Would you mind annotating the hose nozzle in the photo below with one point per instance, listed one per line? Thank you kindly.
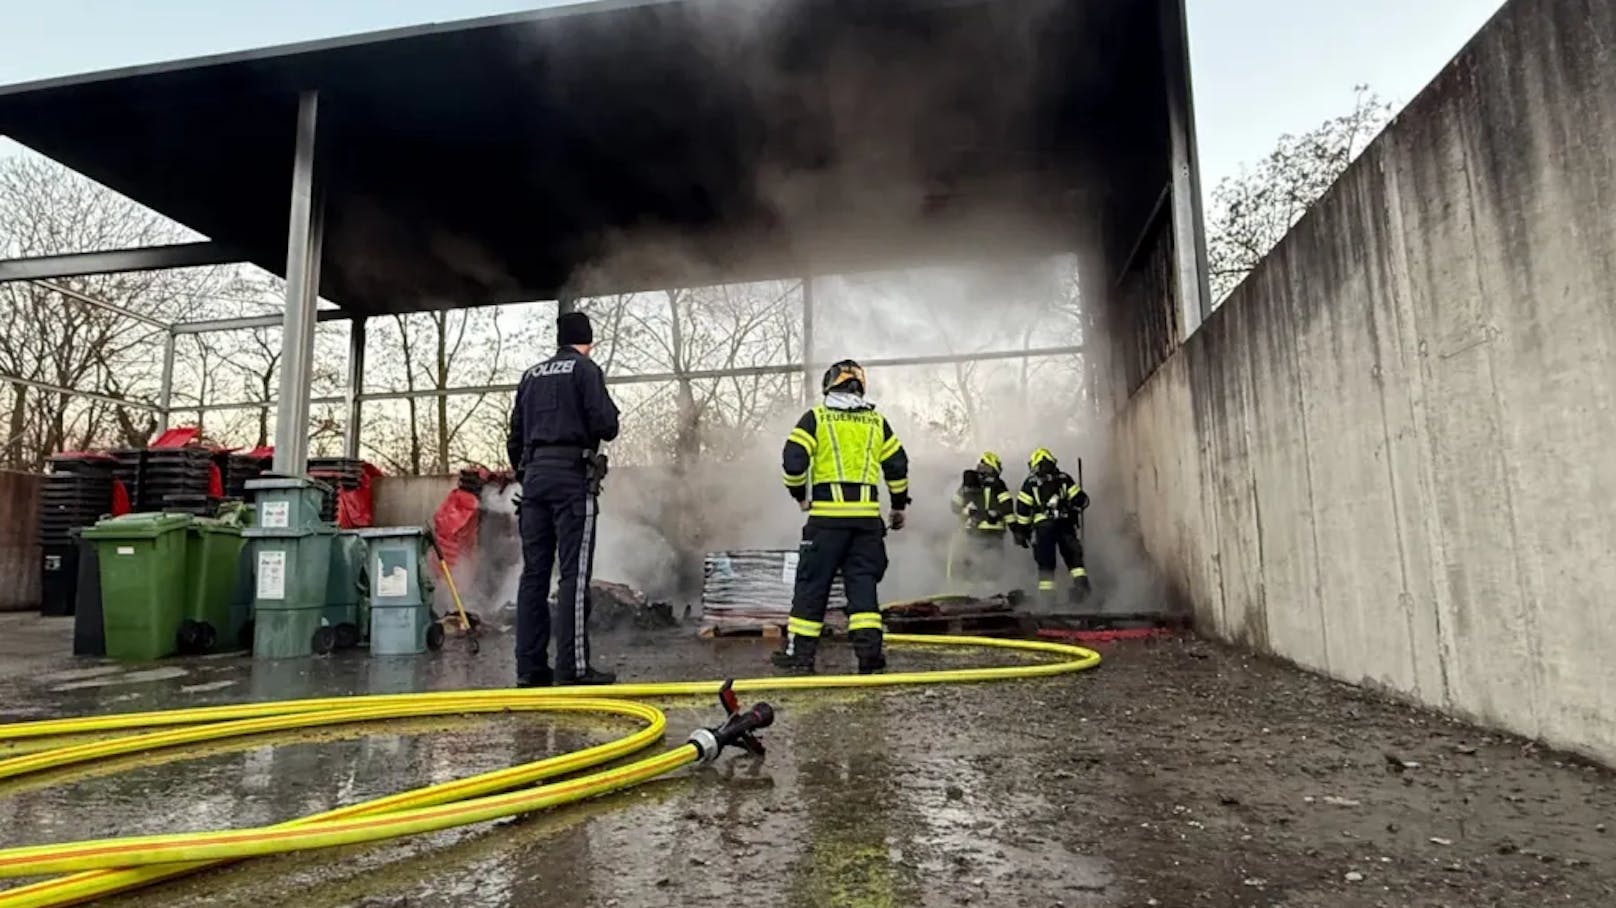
(737, 729)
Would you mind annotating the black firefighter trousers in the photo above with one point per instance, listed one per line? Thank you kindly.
(557, 522)
(857, 548)
(1058, 536)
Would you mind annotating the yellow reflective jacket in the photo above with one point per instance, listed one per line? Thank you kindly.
(1054, 496)
(837, 459)
(985, 509)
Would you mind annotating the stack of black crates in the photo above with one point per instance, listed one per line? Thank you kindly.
(177, 480)
(342, 474)
(77, 493)
(473, 480)
(238, 469)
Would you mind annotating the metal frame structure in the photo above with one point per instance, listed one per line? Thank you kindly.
(305, 236)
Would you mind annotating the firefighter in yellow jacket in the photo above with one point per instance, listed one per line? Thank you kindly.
(835, 461)
(1048, 512)
(985, 508)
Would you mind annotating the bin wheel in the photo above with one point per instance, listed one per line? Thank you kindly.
(210, 637)
(244, 637)
(191, 638)
(325, 640)
(473, 645)
(347, 635)
(434, 636)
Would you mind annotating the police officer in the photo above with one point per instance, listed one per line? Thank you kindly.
(562, 415)
(834, 462)
(1048, 512)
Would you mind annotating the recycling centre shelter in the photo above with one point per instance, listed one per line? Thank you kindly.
(506, 159)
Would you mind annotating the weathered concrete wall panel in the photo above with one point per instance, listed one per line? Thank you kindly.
(1406, 418)
(19, 540)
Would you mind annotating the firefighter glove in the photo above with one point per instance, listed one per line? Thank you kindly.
(897, 520)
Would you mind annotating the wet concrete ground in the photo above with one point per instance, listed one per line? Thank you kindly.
(1179, 773)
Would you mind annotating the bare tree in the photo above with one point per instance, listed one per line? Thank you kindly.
(435, 352)
(56, 339)
(687, 331)
(1254, 210)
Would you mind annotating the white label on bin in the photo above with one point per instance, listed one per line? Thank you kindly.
(272, 575)
(393, 582)
(788, 572)
(126, 550)
(277, 515)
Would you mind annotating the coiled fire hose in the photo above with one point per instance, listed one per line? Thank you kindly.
(101, 867)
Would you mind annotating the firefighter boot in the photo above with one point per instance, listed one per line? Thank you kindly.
(1080, 589)
(1046, 591)
(865, 632)
(797, 656)
(867, 646)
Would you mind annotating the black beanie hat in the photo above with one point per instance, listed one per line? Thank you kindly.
(574, 328)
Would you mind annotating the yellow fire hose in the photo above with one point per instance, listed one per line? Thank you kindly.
(105, 866)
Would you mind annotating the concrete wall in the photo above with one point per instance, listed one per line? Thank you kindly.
(409, 501)
(1390, 456)
(19, 540)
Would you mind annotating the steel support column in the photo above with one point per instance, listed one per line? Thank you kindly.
(165, 390)
(356, 386)
(303, 247)
(1189, 229)
(808, 384)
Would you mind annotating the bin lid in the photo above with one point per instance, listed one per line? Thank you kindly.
(214, 525)
(389, 532)
(286, 532)
(138, 526)
(284, 482)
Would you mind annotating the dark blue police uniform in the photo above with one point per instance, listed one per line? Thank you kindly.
(563, 412)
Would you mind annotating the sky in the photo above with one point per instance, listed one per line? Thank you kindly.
(1261, 68)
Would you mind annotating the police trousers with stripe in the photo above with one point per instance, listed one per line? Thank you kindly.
(557, 523)
(856, 548)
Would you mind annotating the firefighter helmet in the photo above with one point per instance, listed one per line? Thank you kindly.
(991, 461)
(846, 375)
(1040, 456)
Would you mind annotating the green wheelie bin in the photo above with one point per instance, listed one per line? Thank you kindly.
(212, 623)
(142, 583)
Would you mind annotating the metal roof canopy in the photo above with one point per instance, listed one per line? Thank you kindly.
(626, 145)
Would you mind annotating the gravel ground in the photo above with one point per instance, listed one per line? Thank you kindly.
(1178, 773)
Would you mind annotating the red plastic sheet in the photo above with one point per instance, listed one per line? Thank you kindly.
(120, 499)
(357, 507)
(177, 438)
(1106, 636)
(455, 524)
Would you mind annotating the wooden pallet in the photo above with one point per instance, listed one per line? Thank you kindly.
(990, 624)
(764, 631)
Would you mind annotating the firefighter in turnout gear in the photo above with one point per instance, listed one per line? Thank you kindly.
(985, 507)
(563, 413)
(1049, 511)
(834, 462)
